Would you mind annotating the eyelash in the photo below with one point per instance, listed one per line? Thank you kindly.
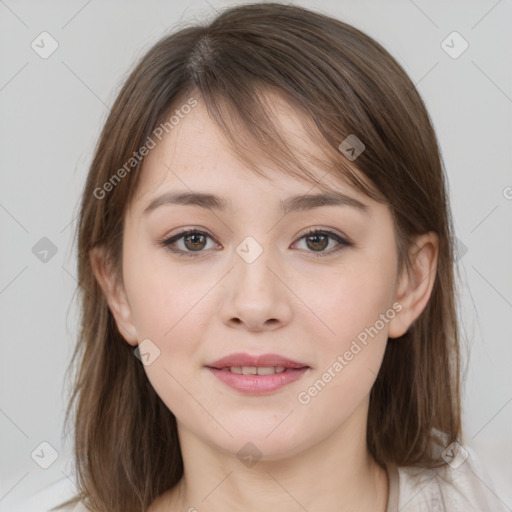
(166, 243)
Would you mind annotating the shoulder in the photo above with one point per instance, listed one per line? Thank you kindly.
(461, 485)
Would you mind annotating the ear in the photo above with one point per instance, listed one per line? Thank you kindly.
(415, 283)
(115, 295)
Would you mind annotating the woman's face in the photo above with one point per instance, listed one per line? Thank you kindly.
(253, 282)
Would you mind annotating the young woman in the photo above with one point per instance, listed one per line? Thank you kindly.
(267, 282)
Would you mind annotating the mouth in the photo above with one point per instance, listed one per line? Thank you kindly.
(254, 370)
(257, 374)
(263, 362)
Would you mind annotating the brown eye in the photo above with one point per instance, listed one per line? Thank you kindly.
(187, 243)
(194, 241)
(317, 242)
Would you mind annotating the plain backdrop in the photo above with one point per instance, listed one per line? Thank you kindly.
(51, 113)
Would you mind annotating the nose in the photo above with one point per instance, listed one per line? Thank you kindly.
(256, 297)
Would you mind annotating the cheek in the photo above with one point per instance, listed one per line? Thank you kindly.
(347, 299)
(355, 306)
(167, 309)
(351, 351)
(160, 298)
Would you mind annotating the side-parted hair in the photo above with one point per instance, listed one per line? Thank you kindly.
(340, 82)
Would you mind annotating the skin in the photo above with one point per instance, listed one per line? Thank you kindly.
(307, 308)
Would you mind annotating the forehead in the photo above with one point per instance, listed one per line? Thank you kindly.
(195, 154)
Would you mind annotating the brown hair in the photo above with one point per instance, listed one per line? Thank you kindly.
(341, 82)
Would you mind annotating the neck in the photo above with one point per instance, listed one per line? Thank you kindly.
(336, 474)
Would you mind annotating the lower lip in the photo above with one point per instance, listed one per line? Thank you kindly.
(258, 384)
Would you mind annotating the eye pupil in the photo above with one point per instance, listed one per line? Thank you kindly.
(194, 236)
(323, 243)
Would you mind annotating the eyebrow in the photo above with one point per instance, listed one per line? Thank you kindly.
(291, 204)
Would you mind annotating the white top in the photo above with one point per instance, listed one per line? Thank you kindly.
(465, 488)
(451, 488)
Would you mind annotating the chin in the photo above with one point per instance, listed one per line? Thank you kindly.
(265, 441)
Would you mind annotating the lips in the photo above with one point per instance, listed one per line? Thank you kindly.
(257, 375)
(241, 360)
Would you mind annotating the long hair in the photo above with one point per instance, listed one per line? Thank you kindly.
(341, 82)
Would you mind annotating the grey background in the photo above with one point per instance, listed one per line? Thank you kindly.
(52, 111)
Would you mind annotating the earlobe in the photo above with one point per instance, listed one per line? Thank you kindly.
(115, 295)
(416, 283)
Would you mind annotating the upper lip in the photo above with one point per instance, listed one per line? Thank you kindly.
(241, 359)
